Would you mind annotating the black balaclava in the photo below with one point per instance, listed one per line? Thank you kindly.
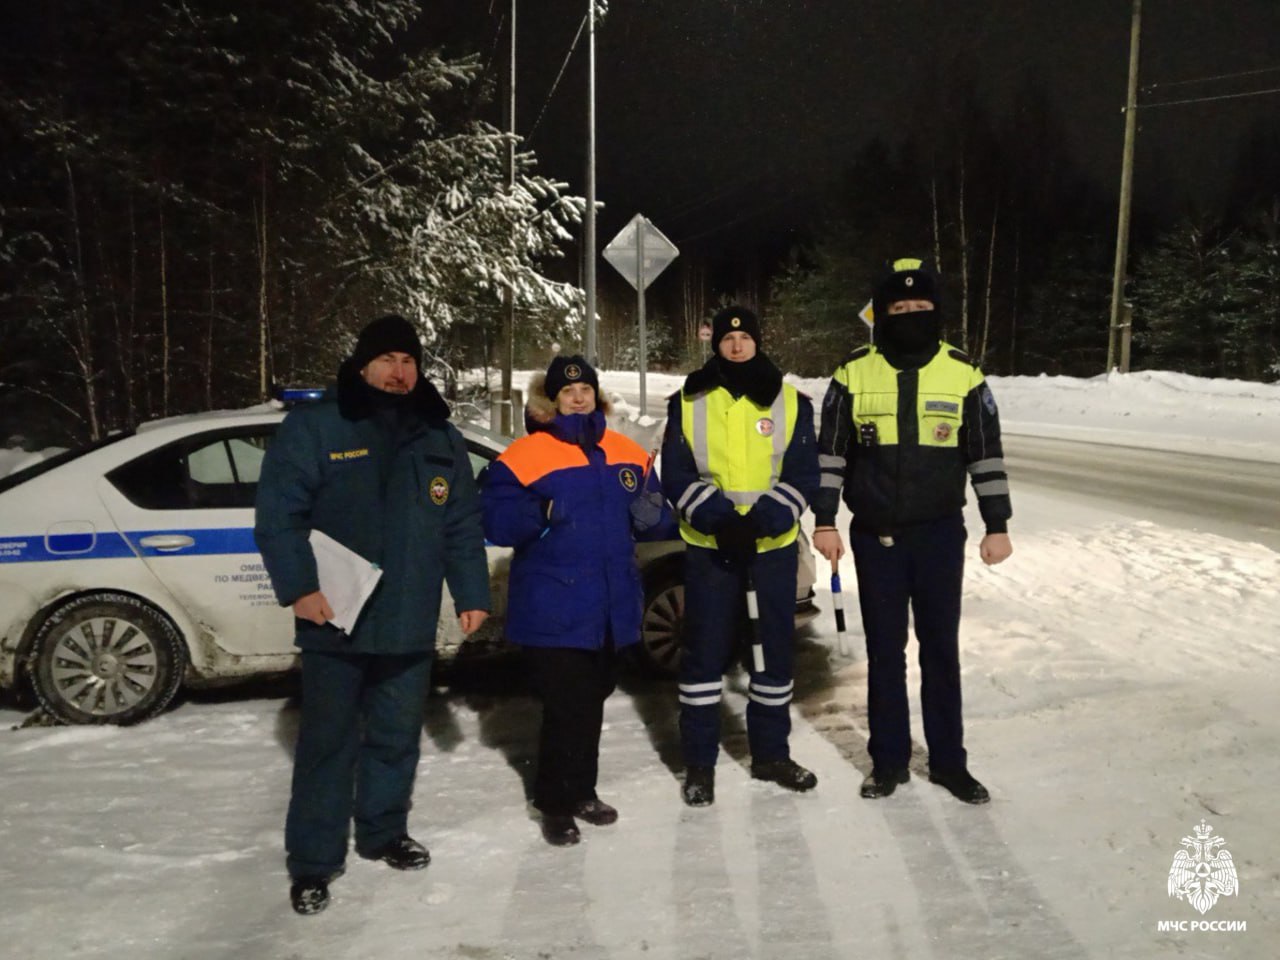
(907, 340)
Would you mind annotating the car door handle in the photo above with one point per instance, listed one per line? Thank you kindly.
(167, 542)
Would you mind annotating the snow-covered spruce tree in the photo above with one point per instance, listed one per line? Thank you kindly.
(417, 215)
(1178, 298)
(1250, 311)
(226, 189)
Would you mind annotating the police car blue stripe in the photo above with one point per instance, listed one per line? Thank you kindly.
(107, 545)
(110, 545)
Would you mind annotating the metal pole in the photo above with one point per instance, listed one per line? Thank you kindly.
(1126, 186)
(508, 295)
(589, 234)
(640, 278)
(1126, 336)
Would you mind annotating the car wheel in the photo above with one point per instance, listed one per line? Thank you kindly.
(107, 658)
(662, 625)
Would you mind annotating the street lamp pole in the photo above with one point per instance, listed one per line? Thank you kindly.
(589, 231)
(508, 295)
(1126, 188)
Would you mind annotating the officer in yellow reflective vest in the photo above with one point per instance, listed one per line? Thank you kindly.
(903, 421)
(740, 463)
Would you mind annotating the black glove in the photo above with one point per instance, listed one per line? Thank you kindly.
(736, 537)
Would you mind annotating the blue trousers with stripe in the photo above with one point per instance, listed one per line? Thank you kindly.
(357, 753)
(922, 571)
(716, 628)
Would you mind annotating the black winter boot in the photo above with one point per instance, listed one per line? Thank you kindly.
(961, 784)
(699, 788)
(559, 830)
(785, 773)
(309, 895)
(402, 853)
(596, 812)
(882, 781)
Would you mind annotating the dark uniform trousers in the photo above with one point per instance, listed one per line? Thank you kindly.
(358, 748)
(924, 570)
(572, 685)
(715, 621)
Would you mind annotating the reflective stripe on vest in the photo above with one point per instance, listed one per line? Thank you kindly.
(943, 384)
(738, 446)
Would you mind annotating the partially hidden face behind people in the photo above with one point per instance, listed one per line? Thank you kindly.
(392, 372)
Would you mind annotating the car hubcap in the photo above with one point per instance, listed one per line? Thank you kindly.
(663, 622)
(104, 666)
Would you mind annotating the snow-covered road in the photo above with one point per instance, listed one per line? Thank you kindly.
(1119, 682)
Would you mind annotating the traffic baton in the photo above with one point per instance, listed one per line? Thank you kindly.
(837, 603)
(753, 614)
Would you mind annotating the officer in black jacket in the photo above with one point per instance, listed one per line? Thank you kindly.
(903, 421)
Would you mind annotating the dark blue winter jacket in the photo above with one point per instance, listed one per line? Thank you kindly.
(391, 481)
(562, 497)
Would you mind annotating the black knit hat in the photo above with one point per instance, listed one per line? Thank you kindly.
(734, 320)
(905, 279)
(566, 370)
(389, 334)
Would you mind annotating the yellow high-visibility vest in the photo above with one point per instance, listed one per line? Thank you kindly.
(738, 445)
(943, 384)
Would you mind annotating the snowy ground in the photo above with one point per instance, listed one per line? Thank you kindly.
(1119, 682)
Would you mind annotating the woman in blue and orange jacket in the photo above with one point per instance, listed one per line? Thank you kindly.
(571, 497)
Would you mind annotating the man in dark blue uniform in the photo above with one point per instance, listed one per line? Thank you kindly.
(740, 464)
(903, 422)
(376, 466)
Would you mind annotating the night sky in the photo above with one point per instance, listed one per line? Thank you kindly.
(715, 116)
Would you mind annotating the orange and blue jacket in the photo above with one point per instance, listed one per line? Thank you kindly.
(561, 496)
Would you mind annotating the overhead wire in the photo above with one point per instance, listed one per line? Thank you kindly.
(1223, 96)
(1220, 76)
(551, 93)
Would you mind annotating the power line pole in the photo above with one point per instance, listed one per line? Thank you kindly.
(589, 232)
(1126, 187)
(508, 295)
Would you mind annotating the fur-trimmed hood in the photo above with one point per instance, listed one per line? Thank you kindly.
(355, 401)
(540, 410)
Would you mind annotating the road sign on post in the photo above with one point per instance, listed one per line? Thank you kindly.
(640, 252)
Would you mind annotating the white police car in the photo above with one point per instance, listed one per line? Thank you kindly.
(128, 568)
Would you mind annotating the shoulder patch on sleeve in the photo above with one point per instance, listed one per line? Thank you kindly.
(856, 354)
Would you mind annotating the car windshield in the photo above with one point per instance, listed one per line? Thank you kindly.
(66, 456)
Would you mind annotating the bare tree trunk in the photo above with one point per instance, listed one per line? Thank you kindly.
(208, 328)
(164, 318)
(145, 365)
(937, 225)
(263, 364)
(82, 347)
(991, 267)
(121, 342)
(964, 260)
(1013, 317)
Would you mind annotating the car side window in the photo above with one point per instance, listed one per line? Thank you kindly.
(480, 458)
(212, 470)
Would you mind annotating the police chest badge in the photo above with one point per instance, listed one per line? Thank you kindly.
(627, 477)
(942, 432)
(764, 427)
(439, 491)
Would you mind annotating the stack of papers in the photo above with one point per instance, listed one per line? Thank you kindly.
(347, 579)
